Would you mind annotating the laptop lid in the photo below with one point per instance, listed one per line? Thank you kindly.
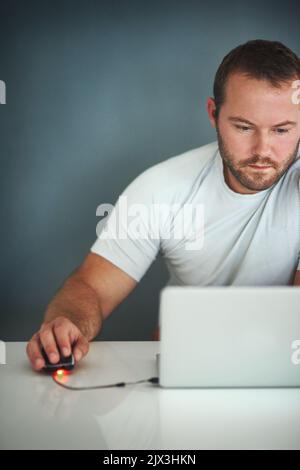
(229, 336)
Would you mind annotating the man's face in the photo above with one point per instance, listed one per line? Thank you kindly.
(258, 131)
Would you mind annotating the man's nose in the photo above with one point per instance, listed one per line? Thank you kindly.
(262, 146)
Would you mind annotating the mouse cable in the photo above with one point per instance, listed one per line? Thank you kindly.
(153, 380)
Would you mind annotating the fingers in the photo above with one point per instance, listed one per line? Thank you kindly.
(34, 353)
(62, 335)
(56, 338)
(81, 348)
(48, 342)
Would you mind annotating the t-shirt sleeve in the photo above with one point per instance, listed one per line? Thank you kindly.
(129, 236)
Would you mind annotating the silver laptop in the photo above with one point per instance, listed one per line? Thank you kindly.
(229, 337)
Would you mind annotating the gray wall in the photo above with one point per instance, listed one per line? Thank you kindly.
(98, 91)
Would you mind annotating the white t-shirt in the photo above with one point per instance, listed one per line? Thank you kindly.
(237, 239)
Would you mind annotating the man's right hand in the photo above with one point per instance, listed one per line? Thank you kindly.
(58, 336)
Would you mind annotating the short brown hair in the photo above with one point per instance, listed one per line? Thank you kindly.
(261, 59)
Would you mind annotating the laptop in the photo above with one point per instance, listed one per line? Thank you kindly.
(229, 337)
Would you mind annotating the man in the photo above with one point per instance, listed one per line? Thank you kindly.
(247, 183)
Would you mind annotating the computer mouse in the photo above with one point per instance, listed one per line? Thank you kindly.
(66, 363)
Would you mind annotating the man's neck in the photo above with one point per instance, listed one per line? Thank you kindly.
(234, 184)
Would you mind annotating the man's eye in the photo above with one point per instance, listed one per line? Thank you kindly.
(282, 131)
(243, 128)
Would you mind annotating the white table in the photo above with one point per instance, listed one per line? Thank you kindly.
(35, 413)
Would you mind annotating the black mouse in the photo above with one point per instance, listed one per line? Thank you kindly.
(66, 363)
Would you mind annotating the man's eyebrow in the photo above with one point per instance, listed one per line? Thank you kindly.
(241, 119)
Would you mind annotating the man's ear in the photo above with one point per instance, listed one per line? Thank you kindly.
(211, 110)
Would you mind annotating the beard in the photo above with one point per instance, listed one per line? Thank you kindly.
(254, 180)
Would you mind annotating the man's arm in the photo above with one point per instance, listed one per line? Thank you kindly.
(76, 313)
(297, 279)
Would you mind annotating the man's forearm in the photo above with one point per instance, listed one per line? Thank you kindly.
(77, 301)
